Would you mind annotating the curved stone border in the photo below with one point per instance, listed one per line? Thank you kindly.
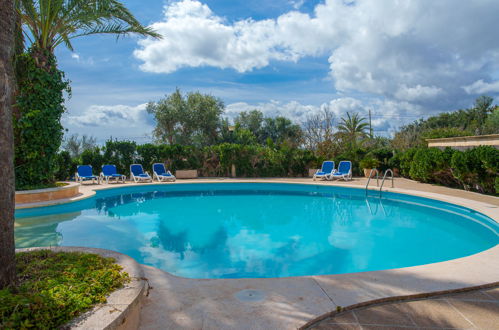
(69, 190)
(395, 300)
(122, 309)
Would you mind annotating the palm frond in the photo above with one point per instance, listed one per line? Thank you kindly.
(52, 22)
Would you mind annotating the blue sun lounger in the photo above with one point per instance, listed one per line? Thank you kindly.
(326, 171)
(161, 174)
(137, 173)
(110, 172)
(84, 173)
(344, 171)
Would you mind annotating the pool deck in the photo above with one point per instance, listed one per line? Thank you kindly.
(289, 303)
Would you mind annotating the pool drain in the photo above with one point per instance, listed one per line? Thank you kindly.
(250, 295)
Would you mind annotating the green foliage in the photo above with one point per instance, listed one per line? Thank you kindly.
(92, 157)
(473, 121)
(406, 161)
(383, 156)
(187, 120)
(492, 123)
(426, 162)
(37, 128)
(352, 129)
(55, 287)
(369, 162)
(474, 169)
(51, 23)
(65, 166)
(244, 136)
(119, 153)
(445, 132)
(355, 155)
(477, 168)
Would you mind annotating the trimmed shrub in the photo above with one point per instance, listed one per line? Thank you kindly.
(477, 169)
(406, 161)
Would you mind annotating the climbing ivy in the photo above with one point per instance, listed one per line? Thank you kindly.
(37, 119)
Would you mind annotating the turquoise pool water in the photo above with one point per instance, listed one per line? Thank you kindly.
(236, 230)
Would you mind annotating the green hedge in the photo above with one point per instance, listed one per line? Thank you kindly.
(475, 169)
(217, 160)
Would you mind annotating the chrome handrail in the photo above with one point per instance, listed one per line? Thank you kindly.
(383, 181)
(370, 176)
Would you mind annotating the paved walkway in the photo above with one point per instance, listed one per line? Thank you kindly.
(470, 310)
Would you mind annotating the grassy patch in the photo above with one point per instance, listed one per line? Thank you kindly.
(55, 287)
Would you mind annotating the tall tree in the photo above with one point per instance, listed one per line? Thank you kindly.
(50, 23)
(250, 120)
(40, 103)
(7, 88)
(281, 130)
(187, 120)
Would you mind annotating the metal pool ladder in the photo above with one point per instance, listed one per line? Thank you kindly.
(383, 181)
(370, 176)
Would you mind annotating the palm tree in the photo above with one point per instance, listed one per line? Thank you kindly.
(7, 88)
(352, 128)
(49, 23)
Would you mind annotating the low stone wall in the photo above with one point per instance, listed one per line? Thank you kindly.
(49, 194)
(122, 309)
(465, 142)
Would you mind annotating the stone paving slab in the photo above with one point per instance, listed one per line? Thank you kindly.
(181, 303)
(469, 310)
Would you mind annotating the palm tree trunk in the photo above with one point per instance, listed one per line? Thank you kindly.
(7, 191)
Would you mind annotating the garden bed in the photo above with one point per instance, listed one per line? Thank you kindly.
(55, 287)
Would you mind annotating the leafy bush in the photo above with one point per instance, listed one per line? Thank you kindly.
(445, 132)
(65, 166)
(369, 162)
(92, 157)
(427, 162)
(56, 287)
(354, 155)
(383, 155)
(120, 153)
(406, 161)
(477, 169)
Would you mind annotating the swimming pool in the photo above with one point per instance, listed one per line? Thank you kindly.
(247, 230)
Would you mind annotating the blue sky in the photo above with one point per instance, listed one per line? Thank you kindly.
(401, 59)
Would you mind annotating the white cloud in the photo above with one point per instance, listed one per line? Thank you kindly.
(119, 121)
(80, 59)
(387, 115)
(482, 87)
(408, 50)
(296, 4)
(417, 93)
(115, 115)
(292, 110)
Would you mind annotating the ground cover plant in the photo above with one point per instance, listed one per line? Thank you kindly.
(55, 287)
